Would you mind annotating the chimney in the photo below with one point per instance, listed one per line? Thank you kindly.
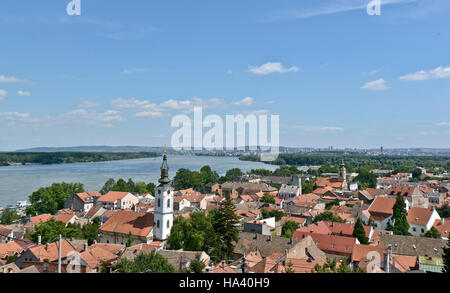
(270, 238)
(442, 221)
(388, 259)
(39, 239)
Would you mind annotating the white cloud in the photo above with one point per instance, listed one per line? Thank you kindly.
(3, 94)
(421, 75)
(86, 116)
(230, 72)
(166, 106)
(133, 71)
(376, 85)
(10, 79)
(24, 94)
(271, 67)
(84, 103)
(14, 116)
(443, 124)
(152, 114)
(248, 101)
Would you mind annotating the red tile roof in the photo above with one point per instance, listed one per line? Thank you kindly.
(125, 221)
(40, 219)
(112, 196)
(419, 216)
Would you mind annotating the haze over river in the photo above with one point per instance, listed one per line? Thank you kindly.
(18, 182)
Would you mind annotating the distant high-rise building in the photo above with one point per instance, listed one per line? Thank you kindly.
(381, 149)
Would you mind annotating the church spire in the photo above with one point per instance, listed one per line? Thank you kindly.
(164, 169)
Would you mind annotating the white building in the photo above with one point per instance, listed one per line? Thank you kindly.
(163, 204)
(421, 220)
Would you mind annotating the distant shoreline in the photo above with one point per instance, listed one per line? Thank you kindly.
(52, 158)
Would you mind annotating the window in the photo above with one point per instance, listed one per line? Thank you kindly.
(333, 246)
(159, 202)
(346, 247)
(168, 203)
(414, 229)
(168, 223)
(423, 231)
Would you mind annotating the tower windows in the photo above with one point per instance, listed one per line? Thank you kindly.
(168, 203)
(157, 224)
(168, 223)
(159, 202)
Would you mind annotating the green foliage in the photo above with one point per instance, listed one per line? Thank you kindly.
(208, 176)
(416, 173)
(288, 228)
(51, 199)
(224, 222)
(51, 230)
(267, 198)
(286, 170)
(261, 172)
(328, 217)
(128, 186)
(332, 203)
(444, 211)
(9, 216)
(359, 233)
(433, 233)
(273, 213)
(399, 163)
(129, 240)
(12, 258)
(401, 225)
(185, 179)
(307, 187)
(145, 263)
(195, 234)
(196, 266)
(68, 157)
(233, 174)
(366, 179)
(289, 268)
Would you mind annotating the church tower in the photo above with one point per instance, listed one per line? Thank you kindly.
(343, 175)
(163, 203)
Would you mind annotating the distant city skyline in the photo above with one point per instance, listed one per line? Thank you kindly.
(118, 73)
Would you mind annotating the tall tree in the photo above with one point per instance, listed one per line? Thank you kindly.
(359, 233)
(401, 225)
(225, 224)
(108, 186)
(196, 266)
(433, 233)
(145, 263)
(288, 228)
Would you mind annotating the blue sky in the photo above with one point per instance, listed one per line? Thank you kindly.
(118, 73)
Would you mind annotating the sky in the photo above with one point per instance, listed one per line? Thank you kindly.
(118, 73)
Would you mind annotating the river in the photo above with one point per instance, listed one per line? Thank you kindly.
(18, 182)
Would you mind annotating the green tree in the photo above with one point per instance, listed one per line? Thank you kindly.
(9, 216)
(12, 258)
(225, 223)
(359, 233)
(140, 187)
(122, 186)
(108, 186)
(332, 203)
(433, 233)
(332, 267)
(307, 187)
(267, 198)
(51, 199)
(145, 263)
(366, 179)
(51, 230)
(401, 225)
(416, 173)
(288, 228)
(90, 231)
(444, 211)
(273, 213)
(208, 176)
(233, 174)
(196, 266)
(185, 179)
(328, 217)
(151, 188)
(289, 268)
(129, 240)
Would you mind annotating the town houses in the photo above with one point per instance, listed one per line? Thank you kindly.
(281, 228)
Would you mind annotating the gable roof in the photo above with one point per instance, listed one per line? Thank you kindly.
(41, 218)
(112, 196)
(382, 205)
(419, 216)
(414, 246)
(331, 244)
(125, 221)
(50, 251)
(88, 196)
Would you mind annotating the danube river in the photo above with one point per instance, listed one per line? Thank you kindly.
(18, 182)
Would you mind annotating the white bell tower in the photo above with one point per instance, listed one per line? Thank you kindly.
(163, 203)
